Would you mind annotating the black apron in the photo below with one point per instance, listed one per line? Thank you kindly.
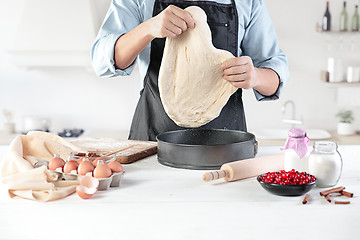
(150, 118)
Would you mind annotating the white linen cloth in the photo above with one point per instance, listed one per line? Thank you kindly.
(25, 181)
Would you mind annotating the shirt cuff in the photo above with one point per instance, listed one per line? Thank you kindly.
(110, 70)
(283, 75)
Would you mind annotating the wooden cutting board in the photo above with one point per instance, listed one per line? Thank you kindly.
(137, 151)
(133, 149)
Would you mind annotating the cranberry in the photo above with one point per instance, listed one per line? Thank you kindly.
(292, 177)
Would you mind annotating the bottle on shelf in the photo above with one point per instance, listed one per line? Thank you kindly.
(355, 20)
(326, 22)
(344, 19)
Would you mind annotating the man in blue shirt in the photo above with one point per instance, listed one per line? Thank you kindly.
(135, 30)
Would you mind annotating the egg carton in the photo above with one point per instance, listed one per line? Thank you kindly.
(104, 183)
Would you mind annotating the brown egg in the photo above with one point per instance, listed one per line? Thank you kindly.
(81, 159)
(70, 166)
(85, 166)
(102, 170)
(95, 162)
(89, 182)
(87, 187)
(56, 162)
(115, 166)
(85, 192)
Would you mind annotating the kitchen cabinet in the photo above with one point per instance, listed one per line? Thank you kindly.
(123, 135)
(159, 202)
(55, 33)
(6, 138)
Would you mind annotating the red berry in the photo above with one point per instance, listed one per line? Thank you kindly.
(292, 177)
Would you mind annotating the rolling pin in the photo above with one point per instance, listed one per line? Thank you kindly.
(246, 168)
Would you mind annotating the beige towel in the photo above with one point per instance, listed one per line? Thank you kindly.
(23, 179)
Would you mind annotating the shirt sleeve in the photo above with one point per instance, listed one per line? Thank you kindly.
(260, 43)
(122, 16)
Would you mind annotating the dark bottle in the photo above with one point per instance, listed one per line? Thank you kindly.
(326, 23)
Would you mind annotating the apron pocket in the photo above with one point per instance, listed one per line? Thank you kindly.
(219, 34)
(212, 24)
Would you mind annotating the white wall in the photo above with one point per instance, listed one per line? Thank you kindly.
(77, 98)
(70, 97)
(307, 52)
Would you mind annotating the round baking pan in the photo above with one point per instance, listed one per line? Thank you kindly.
(204, 148)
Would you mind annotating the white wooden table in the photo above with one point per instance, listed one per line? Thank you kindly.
(158, 202)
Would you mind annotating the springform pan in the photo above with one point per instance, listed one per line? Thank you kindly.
(204, 148)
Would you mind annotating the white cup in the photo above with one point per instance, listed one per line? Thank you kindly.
(335, 70)
(9, 127)
(35, 123)
(353, 74)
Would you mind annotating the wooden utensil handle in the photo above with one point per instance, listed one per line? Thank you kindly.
(210, 176)
(119, 150)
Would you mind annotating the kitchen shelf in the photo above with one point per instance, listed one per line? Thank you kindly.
(342, 84)
(318, 29)
(339, 32)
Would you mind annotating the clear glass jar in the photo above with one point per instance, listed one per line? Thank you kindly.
(325, 163)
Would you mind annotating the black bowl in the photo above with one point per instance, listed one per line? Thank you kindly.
(286, 190)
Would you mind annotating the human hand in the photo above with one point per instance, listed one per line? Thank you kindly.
(171, 22)
(240, 72)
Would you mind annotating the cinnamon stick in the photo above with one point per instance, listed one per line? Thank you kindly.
(347, 194)
(342, 202)
(306, 199)
(332, 190)
(328, 198)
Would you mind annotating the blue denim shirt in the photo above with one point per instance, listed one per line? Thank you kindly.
(257, 38)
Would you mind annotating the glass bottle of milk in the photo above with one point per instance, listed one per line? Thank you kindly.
(296, 148)
(325, 163)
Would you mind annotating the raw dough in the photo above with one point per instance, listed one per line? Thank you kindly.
(191, 86)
